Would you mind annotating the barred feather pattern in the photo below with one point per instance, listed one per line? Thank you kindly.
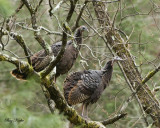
(86, 86)
(41, 60)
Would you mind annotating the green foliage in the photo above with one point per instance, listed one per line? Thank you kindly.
(6, 8)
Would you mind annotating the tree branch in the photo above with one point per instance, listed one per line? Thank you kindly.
(20, 41)
(21, 65)
(79, 16)
(116, 43)
(53, 63)
(68, 111)
(113, 119)
(71, 10)
(37, 35)
(150, 75)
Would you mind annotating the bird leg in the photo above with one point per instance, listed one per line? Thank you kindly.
(83, 105)
(85, 111)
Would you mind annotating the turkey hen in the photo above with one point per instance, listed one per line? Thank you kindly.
(87, 86)
(41, 60)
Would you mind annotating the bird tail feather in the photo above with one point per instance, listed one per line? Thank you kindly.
(18, 74)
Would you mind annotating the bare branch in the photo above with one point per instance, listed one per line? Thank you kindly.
(39, 4)
(79, 16)
(72, 7)
(38, 37)
(21, 42)
(113, 119)
(51, 8)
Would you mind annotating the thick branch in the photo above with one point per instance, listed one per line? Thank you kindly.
(71, 10)
(116, 43)
(68, 111)
(21, 65)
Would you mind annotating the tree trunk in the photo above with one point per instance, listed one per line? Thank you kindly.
(149, 102)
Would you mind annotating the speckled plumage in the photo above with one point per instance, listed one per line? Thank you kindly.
(87, 86)
(40, 60)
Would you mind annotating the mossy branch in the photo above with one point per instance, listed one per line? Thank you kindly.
(22, 65)
(20, 41)
(113, 119)
(13, 60)
(68, 111)
(150, 75)
(116, 44)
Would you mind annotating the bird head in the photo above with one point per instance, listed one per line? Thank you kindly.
(116, 58)
(110, 63)
(83, 28)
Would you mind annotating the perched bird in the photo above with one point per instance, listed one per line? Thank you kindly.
(86, 87)
(40, 60)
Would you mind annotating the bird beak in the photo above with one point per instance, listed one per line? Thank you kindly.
(87, 30)
(117, 58)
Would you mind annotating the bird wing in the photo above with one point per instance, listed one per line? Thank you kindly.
(91, 80)
(75, 96)
(72, 87)
(80, 86)
(41, 60)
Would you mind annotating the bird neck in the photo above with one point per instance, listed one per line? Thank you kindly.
(78, 36)
(107, 76)
(108, 73)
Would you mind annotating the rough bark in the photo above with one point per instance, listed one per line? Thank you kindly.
(116, 42)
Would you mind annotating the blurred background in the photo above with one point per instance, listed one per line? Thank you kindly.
(22, 103)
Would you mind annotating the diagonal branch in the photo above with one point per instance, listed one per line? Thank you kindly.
(113, 119)
(68, 111)
(20, 41)
(79, 16)
(53, 63)
(37, 35)
(116, 43)
(150, 75)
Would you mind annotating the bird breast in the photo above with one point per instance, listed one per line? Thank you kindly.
(67, 60)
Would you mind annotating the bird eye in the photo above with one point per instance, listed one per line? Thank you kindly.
(83, 28)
